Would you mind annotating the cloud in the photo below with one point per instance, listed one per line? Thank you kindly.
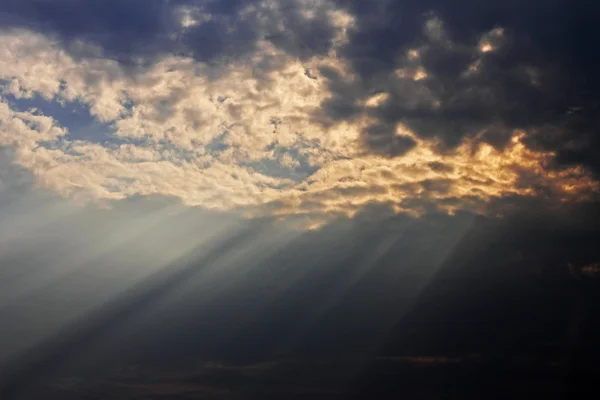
(312, 116)
(134, 32)
(438, 162)
(487, 72)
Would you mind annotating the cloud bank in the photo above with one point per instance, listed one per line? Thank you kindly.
(306, 108)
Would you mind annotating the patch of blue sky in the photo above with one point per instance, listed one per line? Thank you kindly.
(73, 115)
(218, 144)
(77, 119)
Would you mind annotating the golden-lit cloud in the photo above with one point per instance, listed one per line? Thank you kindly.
(491, 40)
(247, 135)
(466, 179)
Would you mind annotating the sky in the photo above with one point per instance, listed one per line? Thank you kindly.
(301, 191)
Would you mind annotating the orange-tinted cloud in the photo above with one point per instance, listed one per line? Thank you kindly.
(234, 137)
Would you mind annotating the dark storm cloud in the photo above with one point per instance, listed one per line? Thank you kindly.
(122, 28)
(541, 76)
(139, 31)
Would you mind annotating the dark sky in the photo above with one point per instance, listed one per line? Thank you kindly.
(298, 199)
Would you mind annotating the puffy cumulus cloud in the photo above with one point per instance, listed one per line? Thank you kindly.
(303, 121)
(26, 129)
(33, 65)
(192, 130)
(177, 101)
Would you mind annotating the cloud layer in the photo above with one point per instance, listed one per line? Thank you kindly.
(308, 108)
